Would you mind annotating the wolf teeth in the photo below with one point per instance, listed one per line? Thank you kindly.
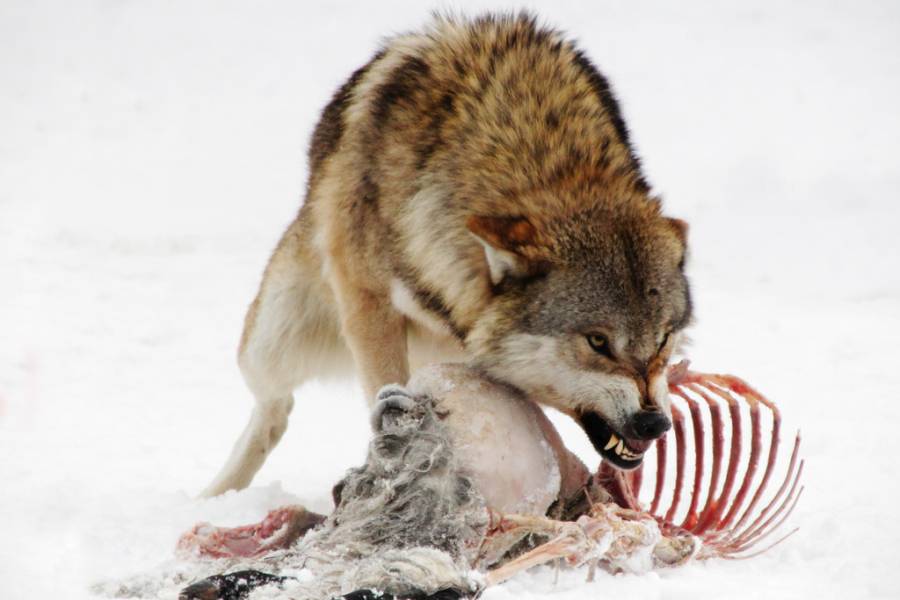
(613, 440)
(620, 448)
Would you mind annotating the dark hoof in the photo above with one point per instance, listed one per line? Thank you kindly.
(392, 403)
(448, 594)
(233, 586)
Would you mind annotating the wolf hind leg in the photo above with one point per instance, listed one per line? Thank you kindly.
(264, 430)
(291, 335)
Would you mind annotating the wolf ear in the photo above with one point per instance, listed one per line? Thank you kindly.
(510, 245)
(680, 228)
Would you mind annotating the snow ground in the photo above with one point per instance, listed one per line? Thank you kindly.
(151, 153)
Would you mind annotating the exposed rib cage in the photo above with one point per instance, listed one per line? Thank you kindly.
(729, 516)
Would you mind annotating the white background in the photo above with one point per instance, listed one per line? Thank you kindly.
(151, 154)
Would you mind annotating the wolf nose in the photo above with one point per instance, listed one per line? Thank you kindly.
(649, 424)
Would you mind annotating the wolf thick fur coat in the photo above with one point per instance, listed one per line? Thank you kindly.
(473, 194)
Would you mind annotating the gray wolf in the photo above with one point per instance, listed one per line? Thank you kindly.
(473, 195)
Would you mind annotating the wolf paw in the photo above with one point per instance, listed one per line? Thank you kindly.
(393, 402)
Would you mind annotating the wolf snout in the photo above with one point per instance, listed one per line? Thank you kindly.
(648, 425)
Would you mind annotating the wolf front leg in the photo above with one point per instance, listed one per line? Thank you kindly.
(291, 334)
(374, 331)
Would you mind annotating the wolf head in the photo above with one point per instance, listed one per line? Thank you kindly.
(587, 311)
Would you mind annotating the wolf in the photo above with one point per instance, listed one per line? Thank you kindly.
(473, 195)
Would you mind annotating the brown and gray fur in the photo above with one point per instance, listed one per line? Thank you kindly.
(473, 194)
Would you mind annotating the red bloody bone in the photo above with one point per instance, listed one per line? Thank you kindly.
(727, 528)
(279, 529)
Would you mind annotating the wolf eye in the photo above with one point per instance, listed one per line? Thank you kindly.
(599, 344)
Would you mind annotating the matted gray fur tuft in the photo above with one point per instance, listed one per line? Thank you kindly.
(408, 521)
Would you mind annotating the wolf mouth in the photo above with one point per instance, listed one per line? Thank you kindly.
(621, 452)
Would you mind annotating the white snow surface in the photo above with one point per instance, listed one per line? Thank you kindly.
(151, 153)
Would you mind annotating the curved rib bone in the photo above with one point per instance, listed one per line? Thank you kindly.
(678, 428)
